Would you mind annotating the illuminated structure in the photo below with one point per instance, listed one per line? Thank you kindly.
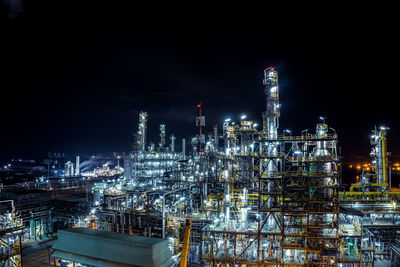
(255, 197)
(142, 132)
(69, 169)
(10, 236)
(375, 234)
(201, 124)
(172, 146)
(281, 194)
(77, 170)
(162, 136)
(380, 159)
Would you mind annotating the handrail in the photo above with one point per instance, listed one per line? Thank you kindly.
(310, 137)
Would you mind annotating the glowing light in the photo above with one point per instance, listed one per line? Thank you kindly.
(243, 117)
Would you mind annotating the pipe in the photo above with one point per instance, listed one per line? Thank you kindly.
(163, 205)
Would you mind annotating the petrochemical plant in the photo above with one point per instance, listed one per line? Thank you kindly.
(244, 195)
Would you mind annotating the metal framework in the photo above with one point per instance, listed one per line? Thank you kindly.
(10, 237)
(254, 197)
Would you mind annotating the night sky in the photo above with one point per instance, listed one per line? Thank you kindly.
(74, 76)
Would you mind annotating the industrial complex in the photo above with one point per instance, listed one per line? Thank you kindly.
(236, 194)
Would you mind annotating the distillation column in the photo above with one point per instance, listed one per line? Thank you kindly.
(162, 136)
(215, 136)
(201, 123)
(142, 131)
(77, 170)
(183, 148)
(379, 154)
(272, 112)
(322, 198)
(271, 125)
(172, 138)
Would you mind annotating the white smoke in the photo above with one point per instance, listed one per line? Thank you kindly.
(93, 162)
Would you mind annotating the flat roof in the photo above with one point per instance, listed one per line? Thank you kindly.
(105, 249)
(144, 241)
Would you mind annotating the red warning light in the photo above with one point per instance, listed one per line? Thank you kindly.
(198, 105)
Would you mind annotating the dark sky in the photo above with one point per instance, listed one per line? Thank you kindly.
(74, 76)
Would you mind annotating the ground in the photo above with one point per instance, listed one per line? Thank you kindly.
(35, 254)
